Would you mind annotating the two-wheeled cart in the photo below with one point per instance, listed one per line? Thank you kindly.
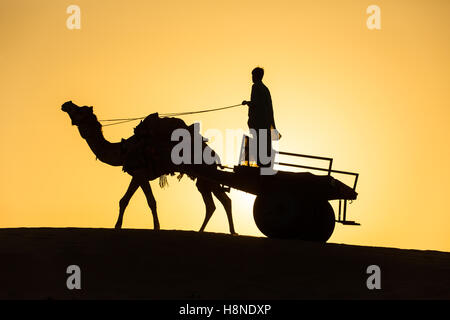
(292, 204)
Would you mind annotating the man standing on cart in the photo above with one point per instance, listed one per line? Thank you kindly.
(261, 120)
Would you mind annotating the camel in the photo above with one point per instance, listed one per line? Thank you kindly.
(146, 156)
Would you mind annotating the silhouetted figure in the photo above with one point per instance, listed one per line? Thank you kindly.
(146, 156)
(260, 114)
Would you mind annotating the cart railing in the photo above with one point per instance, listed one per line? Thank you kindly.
(329, 170)
(244, 153)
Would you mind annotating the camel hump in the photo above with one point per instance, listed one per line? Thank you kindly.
(146, 126)
(157, 127)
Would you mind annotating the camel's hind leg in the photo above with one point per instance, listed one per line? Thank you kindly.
(210, 207)
(123, 203)
(226, 202)
(145, 186)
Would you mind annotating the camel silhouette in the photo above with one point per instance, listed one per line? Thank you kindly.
(146, 155)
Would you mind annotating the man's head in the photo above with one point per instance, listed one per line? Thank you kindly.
(257, 74)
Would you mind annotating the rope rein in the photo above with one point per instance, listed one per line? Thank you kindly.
(173, 114)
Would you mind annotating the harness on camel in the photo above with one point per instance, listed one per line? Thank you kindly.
(148, 151)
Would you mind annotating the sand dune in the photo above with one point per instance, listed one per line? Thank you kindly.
(144, 264)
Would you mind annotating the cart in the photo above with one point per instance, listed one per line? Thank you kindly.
(290, 204)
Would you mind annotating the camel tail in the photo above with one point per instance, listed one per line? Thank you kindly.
(163, 181)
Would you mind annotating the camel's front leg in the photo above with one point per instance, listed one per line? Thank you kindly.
(145, 186)
(123, 203)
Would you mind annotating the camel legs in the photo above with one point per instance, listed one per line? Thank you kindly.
(145, 186)
(210, 207)
(226, 202)
(123, 203)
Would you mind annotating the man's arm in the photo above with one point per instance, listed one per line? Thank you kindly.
(254, 98)
(270, 116)
(276, 135)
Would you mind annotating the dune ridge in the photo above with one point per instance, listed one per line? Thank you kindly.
(172, 264)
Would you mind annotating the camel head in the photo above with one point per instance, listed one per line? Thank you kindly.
(78, 115)
(84, 118)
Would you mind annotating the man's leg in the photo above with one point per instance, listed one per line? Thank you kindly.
(265, 153)
(253, 146)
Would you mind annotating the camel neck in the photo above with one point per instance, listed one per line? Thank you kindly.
(104, 150)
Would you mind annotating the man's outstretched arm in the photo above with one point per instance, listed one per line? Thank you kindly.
(255, 98)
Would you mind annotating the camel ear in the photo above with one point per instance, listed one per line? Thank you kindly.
(91, 109)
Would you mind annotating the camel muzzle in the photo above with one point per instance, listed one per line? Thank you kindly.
(66, 106)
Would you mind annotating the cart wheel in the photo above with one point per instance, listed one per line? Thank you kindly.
(286, 215)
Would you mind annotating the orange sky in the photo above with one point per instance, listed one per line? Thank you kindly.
(377, 101)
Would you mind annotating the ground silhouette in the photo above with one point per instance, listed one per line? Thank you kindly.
(148, 264)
